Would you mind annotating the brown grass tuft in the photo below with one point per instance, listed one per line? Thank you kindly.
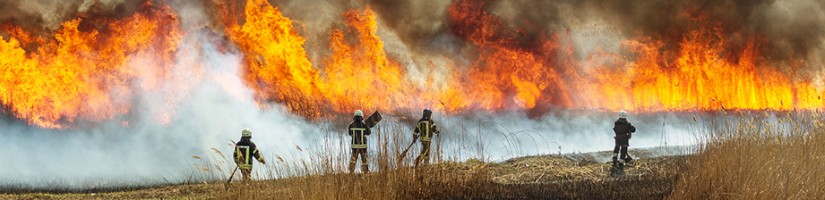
(749, 158)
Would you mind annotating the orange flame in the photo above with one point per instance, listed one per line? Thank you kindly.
(276, 62)
(354, 73)
(362, 76)
(278, 68)
(81, 75)
(701, 77)
(86, 71)
(510, 72)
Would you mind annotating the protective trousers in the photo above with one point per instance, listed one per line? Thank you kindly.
(364, 165)
(621, 146)
(425, 154)
(247, 173)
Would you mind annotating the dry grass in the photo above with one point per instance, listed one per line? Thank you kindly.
(570, 177)
(759, 158)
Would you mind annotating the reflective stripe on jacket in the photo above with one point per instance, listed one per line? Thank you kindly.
(425, 128)
(359, 132)
(245, 151)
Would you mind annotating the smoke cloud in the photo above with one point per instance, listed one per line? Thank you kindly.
(145, 151)
(43, 16)
(791, 28)
(212, 103)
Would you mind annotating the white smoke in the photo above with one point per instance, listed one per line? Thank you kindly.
(202, 104)
(207, 105)
(211, 111)
(507, 135)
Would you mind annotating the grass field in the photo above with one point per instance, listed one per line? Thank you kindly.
(759, 159)
(776, 157)
(535, 177)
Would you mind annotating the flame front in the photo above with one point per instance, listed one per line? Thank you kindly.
(700, 76)
(87, 72)
(276, 62)
(361, 76)
(355, 75)
(510, 72)
(81, 75)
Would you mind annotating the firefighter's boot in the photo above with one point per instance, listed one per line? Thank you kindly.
(628, 160)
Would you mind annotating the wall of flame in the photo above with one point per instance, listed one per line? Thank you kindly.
(81, 72)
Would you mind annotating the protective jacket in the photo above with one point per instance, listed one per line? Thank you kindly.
(623, 130)
(425, 128)
(359, 131)
(622, 127)
(245, 150)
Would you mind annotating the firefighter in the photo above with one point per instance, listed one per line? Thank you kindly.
(359, 131)
(425, 129)
(245, 150)
(624, 130)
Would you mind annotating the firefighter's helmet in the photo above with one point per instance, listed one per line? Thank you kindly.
(246, 133)
(359, 113)
(622, 114)
(428, 112)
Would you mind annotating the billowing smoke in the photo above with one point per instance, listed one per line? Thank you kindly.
(43, 15)
(791, 28)
(497, 137)
(212, 102)
(216, 106)
(139, 149)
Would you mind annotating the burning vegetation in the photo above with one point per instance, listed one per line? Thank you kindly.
(90, 68)
(81, 72)
(534, 71)
(97, 63)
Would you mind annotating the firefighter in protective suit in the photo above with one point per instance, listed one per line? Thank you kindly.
(359, 131)
(624, 130)
(425, 129)
(245, 150)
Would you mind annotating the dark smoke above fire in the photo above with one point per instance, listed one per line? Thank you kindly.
(536, 56)
(120, 89)
(792, 29)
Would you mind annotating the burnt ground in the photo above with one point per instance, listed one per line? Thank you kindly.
(571, 176)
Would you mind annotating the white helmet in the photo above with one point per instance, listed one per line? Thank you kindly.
(622, 114)
(246, 133)
(358, 113)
